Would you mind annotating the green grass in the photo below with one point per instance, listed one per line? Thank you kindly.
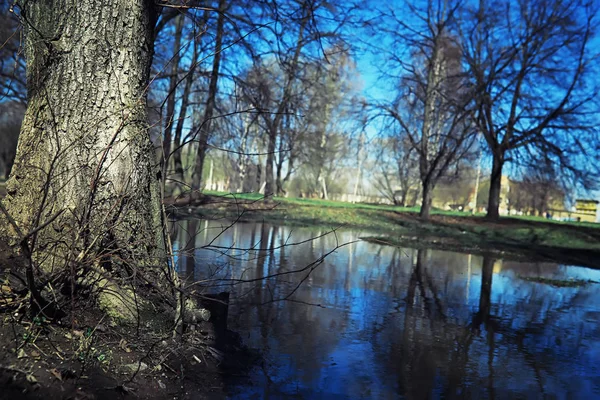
(401, 224)
(332, 203)
(383, 207)
(551, 221)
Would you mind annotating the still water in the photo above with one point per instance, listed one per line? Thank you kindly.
(379, 322)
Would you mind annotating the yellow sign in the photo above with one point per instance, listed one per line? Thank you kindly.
(586, 206)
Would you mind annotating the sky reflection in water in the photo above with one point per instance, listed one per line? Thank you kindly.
(388, 322)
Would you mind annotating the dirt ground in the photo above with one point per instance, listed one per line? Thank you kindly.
(91, 360)
(83, 356)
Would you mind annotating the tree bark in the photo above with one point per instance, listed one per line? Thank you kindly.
(85, 164)
(493, 212)
(210, 104)
(425, 211)
(278, 178)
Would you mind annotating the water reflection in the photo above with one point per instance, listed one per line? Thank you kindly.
(382, 322)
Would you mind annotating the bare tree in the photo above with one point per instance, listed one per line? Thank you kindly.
(299, 37)
(169, 121)
(399, 169)
(432, 107)
(209, 109)
(307, 135)
(290, 64)
(184, 106)
(539, 190)
(533, 69)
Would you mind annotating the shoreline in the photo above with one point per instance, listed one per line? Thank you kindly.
(510, 237)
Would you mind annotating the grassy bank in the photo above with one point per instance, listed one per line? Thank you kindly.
(527, 237)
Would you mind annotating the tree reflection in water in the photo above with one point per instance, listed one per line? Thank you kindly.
(384, 322)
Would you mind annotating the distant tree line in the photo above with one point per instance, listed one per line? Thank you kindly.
(266, 96)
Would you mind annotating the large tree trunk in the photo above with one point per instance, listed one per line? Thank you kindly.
(85, 164)
(210, 104)
(493, 212)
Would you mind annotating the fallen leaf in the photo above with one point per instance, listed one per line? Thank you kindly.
(21, 353)
(123, 346)
(56, 373)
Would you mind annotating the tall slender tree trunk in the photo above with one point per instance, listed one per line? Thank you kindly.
(85, 173)
(242, 164)
(325, 195)
(283, 105)
(403, 198)
(171, 97)
(425, 211)
(493, 211)
(269, 179)
(278, 178)
(259, 174)
(431, 129)
(185, 100)
(476, 194)
(359, 163)
(280, 160)
(321, 179)
(205, 128)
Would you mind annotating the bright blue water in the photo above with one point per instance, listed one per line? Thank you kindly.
(379, 322)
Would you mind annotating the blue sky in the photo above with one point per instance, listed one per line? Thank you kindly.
(375, 89)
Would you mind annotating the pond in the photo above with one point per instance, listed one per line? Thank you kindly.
(341, 318)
